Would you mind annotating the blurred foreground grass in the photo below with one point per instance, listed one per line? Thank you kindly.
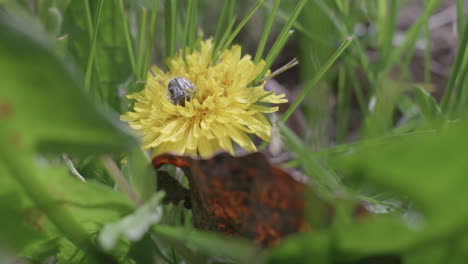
(65, 68)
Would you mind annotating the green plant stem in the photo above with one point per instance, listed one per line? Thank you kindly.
(120, 180)
(316, 79)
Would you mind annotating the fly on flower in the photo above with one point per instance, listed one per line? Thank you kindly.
(199, 107)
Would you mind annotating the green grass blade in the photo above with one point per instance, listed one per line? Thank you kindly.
(171, 27)
(283, 37)
(411, 36)
(193, 24)
(241, 25)
(389, 28)
(316, 79)
(460, 18)
(327, 181)
(294, 62)
(343, 109)
(460, 97)
(92, 52)
(427, 54)
(149, 45)
(141, 44)
(89, 19)
(128, 38)
(361, 99)
(187, 26)
(226, 15)
(283, 16)
(223, 39)
(266, 31)
(456, 70)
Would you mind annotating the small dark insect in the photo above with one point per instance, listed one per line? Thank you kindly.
(180, 89)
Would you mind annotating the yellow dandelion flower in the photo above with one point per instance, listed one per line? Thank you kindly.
(217, 107)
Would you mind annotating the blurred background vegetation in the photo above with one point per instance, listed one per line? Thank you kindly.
(382, 126)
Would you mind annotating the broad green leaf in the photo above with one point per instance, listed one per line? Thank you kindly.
(428, 170)
(92, 204)
(315, 247)
(18, 211)
(111, 67)
(211, 244)
(133, 227)
(76, 209)
(45, 106)
(432, 254)
(140, 173)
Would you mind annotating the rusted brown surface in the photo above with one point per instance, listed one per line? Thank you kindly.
(242, 196)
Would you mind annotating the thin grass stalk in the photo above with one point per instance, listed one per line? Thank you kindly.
(343, 98)
(192, 24)
(241, 25)
(89, 19)
(297, 26)
(449, 91)
(328, 182)
(411, 37)
(389, 28)
(316, 79)
(188, 19)
(141, 41)
(149, 45)
(266, 31)
(460, 94)
(460, 18)
(223, 22)
(171, 27)
(282, 38)
(128, 38)
(223, 39)
(359, 93)
(427, 53)
(92, 52)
